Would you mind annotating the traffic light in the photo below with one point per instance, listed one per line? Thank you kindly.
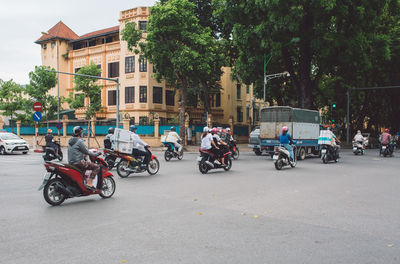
(333, 107)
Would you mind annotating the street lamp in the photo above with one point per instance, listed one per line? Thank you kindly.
(58, 86)
(273, 76)
(269, 56)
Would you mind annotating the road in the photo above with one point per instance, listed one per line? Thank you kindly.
(347, 212)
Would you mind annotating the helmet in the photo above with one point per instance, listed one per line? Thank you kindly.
(214, 130)
(285, 129)
(132, 128)
(111, 130)
(387, 130)
(358, 131)
(77, 131)
(173, 129)
(206, 129)
(228, 129)
(49, 131)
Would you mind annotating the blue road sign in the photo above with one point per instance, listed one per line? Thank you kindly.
(59, 126)
(37, 116)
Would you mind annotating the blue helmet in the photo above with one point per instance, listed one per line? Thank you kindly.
(132, 128)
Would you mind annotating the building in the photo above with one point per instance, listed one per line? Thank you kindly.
(141, 96)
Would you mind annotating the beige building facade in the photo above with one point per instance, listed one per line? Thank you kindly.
(141, 96)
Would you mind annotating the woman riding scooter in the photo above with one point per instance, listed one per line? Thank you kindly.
(286, 140)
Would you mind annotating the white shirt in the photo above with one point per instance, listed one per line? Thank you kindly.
(359, 137)
(137, 142)
(217, 138)
(173, 137)
(206, 142)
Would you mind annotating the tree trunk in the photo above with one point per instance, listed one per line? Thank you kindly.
(182, 108)
(206, 97)
(12, 124)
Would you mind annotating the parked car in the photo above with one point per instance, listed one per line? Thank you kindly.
(11, 143)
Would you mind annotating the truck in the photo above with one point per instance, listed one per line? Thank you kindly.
(303, 124)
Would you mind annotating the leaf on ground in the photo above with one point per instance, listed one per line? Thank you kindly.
(199, 213)
(255, 216)
(195, 199)
(123, 260)
(213, 194)
(389, 245)
(243, 213)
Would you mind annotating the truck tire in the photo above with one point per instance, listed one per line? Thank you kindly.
(302, 153)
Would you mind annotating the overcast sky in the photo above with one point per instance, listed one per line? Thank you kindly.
(22, 22)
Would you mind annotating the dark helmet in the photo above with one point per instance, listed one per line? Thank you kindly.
(132, 128)
(111, 130)
(173, 129)
(77, 131)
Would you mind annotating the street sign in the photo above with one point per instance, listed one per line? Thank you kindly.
(59, 126)
(37, 116)
(37, 106)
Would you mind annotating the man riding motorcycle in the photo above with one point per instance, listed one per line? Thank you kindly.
(385, 140)
(138, 143)
(50, 141)
(173, 138)
(76, 152)
(109, 139)
(359, 137)
(286, 140)
(220, 144)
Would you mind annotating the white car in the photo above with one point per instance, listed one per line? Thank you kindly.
(11, 143)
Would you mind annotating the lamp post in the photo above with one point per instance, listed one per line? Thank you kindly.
(269, 57)
(58, 86)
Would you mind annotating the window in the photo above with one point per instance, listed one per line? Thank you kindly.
(143, 94)
(157, 95)
(99, 67)
(77, 69)
(113, 69)
(238, 88)
(92, 43)
(218, 100)
(143, 26)
(109, 39)
(129, 94)
(45, 46)
(143, 120)
(112, 97)
(142, 64)
(247, 112)
(239, 114)
(247, 89)
(130, 64)
(169, 98)
(53, 44)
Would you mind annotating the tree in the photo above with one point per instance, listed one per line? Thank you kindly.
(91, 91)
(41, 81)
(11, 100)
(178, 46)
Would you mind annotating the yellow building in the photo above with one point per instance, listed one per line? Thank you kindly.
(140, 94)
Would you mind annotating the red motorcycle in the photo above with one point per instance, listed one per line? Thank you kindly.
(131, 164)
(63, 181)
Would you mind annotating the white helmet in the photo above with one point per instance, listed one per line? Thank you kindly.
(228, 129)
(206, 129)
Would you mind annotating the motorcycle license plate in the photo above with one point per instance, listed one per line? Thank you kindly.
(275, 157)
(383, 147)
(46, 178)
(164, 148)
(354, 148)
(323, 151)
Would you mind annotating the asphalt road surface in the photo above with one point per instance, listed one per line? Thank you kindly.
(347, 212)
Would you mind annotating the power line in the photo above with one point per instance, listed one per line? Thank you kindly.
(374, 88)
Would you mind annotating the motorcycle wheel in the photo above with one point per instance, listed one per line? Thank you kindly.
(325, 159)
(50, 194)
(229, 164)
(122, 169)
(60, 155)
(180, 156)
(108, 187)
(279, 164)
(203, 166)
(110, 162)
(167, 155)
(153, 166)
(235, 155)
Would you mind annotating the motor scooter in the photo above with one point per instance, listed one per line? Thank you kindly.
(130, 164)
(50, 153)
(282, 157)
(358, 148)
(328, 153)
(169, 151)
(385, 151)
(208, 161)
(112, 158)
(63, 181)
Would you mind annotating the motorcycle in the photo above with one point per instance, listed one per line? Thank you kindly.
(50, 153)
(358, 148)
(130, 164)
(281, 157)
(112, 158)
(208, 161)
(63, 181)
(234, 149)
(385, 151)
(328, 154)
(170, 152)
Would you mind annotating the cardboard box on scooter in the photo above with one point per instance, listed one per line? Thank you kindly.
(123, 140)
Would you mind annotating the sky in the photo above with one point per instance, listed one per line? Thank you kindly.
(22, 22)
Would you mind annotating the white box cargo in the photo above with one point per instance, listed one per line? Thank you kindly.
(122, 140)
(325, 137)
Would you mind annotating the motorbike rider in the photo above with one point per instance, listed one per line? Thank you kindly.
(220, 144)
(286, 140)
(50, 141)
(334, 144)
(173, 138)
(207, 142)
(76, 152)
(385, 140)
(138, 143)
(359, 138)
(109, 139)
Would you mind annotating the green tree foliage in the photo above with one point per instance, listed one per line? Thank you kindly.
(41, 81)
(11, 100)
(182, 51)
